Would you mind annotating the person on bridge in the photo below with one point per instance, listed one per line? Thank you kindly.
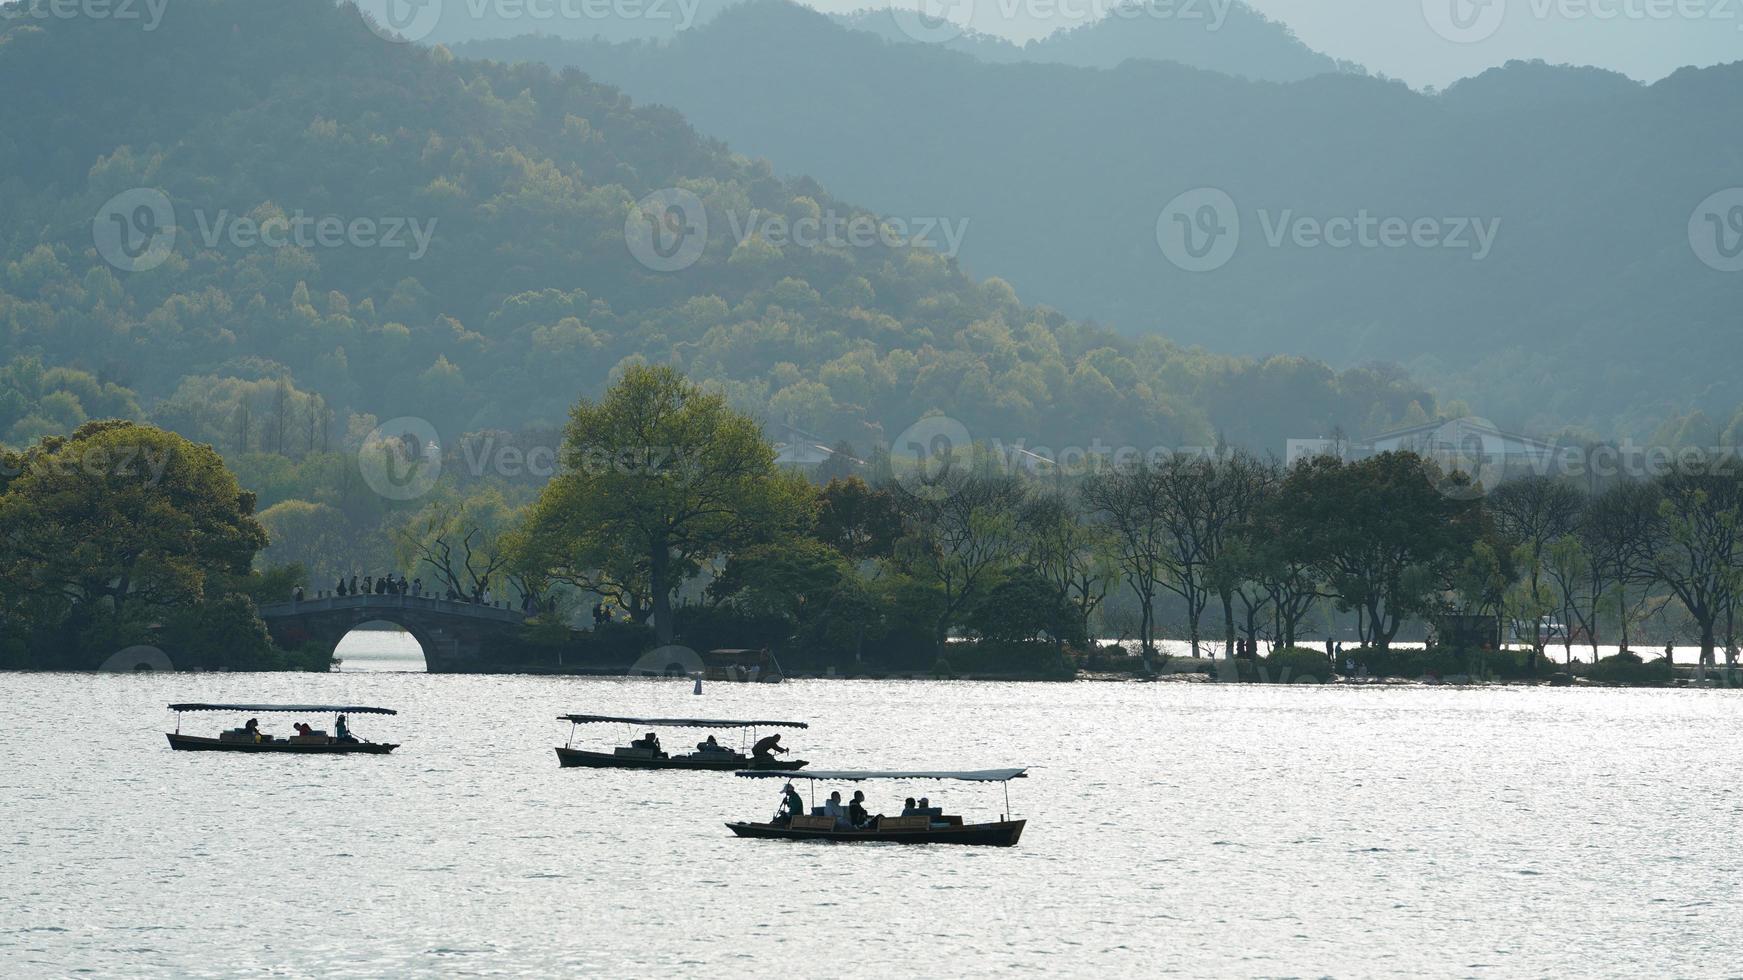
(340, 590)
(766, 747)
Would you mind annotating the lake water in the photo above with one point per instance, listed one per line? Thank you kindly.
(1175, 828)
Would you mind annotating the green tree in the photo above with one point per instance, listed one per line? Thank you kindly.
(1385, 539)
(660, 479)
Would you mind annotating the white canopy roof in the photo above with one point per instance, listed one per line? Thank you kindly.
(301, 709)
(853, 776)
(680, 722)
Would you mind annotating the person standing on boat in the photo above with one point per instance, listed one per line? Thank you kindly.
(342, 731)
(791, 805)
(766, 747)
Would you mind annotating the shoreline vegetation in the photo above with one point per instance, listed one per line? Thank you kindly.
(670, 524)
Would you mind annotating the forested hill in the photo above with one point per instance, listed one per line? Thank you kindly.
(1590, 302)
(524, 293)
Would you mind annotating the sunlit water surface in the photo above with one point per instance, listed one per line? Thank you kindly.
(1175, 828)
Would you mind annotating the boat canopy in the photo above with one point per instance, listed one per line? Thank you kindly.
(301, 709)
(680, 722)
(853, 776)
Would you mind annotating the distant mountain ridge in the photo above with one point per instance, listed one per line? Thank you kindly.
(1234, 39)
(1586, 182)
(1229, 37)
(527, 191)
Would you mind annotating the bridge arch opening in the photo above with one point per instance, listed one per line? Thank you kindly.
(381, 645)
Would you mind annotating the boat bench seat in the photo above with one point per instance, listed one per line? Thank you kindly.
(813, 823)
(316, 739)
(905, 823)
(235, 735)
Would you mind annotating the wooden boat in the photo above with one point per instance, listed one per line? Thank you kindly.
(932, 827)
(638, 756)
(742, 667)
(245, 740)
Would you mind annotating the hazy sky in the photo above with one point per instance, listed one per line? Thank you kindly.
(1646, 39)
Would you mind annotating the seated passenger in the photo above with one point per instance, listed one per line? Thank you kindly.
(908, 807)
(650, 741)
(252, 729)
(856, 815)
(835, 811)
(342, 731)
(303, 729)
(709, 746)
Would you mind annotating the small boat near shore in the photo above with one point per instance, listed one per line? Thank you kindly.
(249, 738)
(931, 826)
(647, 753)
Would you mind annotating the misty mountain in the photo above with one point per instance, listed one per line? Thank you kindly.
(288, 219)
(1555, 278)
(1232, 38)
(1225, 35)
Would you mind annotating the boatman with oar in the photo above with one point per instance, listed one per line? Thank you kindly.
(765, 747)
(791, 805)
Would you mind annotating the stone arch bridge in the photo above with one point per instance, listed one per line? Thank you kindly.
(457, 637)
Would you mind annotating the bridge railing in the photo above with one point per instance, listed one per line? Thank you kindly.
(391, 603)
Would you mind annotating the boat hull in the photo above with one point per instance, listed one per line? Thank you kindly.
(582, 759)
(196, 743)
(1003, 834)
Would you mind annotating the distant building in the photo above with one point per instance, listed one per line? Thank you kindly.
(804, 450)
(1470, 445)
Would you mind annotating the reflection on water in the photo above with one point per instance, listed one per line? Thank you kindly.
(1194, 829)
